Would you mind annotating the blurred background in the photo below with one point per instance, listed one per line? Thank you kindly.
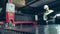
(26, 10)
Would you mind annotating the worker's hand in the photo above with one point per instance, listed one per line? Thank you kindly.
(47, 22)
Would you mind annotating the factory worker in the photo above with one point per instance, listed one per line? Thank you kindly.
(48, 14)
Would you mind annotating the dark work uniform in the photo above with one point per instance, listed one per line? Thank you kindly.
(57, 20)
(50, 17)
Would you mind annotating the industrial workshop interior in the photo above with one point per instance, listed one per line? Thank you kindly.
(29, 16)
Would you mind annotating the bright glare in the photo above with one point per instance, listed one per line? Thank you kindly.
(58, 15)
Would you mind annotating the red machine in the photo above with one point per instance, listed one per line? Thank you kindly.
(10, 11)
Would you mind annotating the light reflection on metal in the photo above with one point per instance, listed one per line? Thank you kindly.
(58, 15)
(58, 29)
(41, 2)
(31, 2)
(0, 10)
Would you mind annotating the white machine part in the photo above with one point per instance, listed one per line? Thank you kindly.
(36, 17)
(10, 7)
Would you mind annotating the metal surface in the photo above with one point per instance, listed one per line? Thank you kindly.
(41, 2)
(42, 29)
